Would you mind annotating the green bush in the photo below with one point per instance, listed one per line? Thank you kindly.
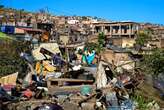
(141, 102)
(10, 61)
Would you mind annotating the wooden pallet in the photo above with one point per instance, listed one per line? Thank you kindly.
(62, 81)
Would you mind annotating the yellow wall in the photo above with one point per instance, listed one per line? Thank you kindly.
(128, 42)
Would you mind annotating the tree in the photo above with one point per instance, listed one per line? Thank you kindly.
(153, 63)
(101, 39)
(99, 45)
(142, 39)
(101, 42)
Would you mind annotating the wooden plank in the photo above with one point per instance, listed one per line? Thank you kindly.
(72, 89)
(61, 81)
(72, 45)
(69, 80)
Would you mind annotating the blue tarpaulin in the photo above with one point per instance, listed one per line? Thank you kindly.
(7, 29)
(89, 58)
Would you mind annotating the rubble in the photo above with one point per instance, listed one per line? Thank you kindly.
(80, 84)
(47, 81)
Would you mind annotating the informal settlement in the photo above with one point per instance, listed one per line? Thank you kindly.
(64, 73)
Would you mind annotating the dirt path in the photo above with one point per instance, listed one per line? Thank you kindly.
(149, 92)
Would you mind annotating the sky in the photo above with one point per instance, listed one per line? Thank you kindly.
(116, 10)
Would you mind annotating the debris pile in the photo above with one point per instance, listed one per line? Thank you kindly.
(78, 81)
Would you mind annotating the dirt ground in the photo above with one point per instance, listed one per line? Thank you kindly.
(146, 89)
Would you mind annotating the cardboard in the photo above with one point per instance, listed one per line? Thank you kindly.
(9, 79)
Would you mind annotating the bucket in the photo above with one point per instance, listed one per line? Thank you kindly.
(85, 90)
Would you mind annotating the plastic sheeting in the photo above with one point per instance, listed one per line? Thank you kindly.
(48, 67)
(27, 57)
(27, 80)
(127, 105)
(7, 29)
(44, 68)
(58, 61)
(53, 75)
(89, 58)
(101, 79)
(112, 101)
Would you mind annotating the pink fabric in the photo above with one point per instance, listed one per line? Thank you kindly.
(8, 87)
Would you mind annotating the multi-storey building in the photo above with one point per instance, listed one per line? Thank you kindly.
(117, 33)
(116, 29)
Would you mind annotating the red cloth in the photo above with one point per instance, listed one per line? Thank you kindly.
(27, 93)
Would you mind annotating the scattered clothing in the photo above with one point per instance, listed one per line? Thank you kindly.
(28, 94)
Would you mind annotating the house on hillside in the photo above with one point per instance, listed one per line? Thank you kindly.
(117, 33)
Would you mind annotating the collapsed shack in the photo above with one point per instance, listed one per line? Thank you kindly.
(81, 95)
(83, 88)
